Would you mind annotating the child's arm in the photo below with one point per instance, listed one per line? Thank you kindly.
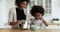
(44, 22)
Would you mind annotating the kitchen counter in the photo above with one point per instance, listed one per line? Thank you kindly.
(20, 30)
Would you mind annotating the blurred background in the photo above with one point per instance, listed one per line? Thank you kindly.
(52, 10)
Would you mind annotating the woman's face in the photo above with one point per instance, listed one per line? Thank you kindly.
(38, 15)
(23, 5)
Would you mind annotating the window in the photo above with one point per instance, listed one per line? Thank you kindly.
(45, 3)
(47, 6)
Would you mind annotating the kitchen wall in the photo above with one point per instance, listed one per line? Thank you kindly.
(2, 13)
(55, 11)
(5, 6)
(56, 8)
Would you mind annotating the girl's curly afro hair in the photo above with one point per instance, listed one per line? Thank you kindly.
(37, 9)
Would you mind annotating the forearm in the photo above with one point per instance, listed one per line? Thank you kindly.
(17, 22)
(13, 23)
(45, 22)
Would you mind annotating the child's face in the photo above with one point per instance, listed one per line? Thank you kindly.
(38, 15)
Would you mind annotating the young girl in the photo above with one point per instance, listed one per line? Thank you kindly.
(38, 12)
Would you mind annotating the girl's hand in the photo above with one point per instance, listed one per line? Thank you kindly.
(44, 22)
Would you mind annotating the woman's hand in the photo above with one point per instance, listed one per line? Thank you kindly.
(19, 22)
(16, 23)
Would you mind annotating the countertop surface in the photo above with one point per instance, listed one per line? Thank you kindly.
(21, 30)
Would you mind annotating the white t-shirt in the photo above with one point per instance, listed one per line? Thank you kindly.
(38, 23)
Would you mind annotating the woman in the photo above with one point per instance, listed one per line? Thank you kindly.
(16, 15)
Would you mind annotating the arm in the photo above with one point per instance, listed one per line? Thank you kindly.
(11, 18)
(15, 23)
(44, 22)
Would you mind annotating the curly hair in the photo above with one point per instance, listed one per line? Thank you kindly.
(37, 9)
(17, 2)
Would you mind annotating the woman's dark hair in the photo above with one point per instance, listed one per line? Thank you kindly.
(37, 9)
(17, 2)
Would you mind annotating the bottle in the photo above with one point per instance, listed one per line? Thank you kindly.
(25, 25)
